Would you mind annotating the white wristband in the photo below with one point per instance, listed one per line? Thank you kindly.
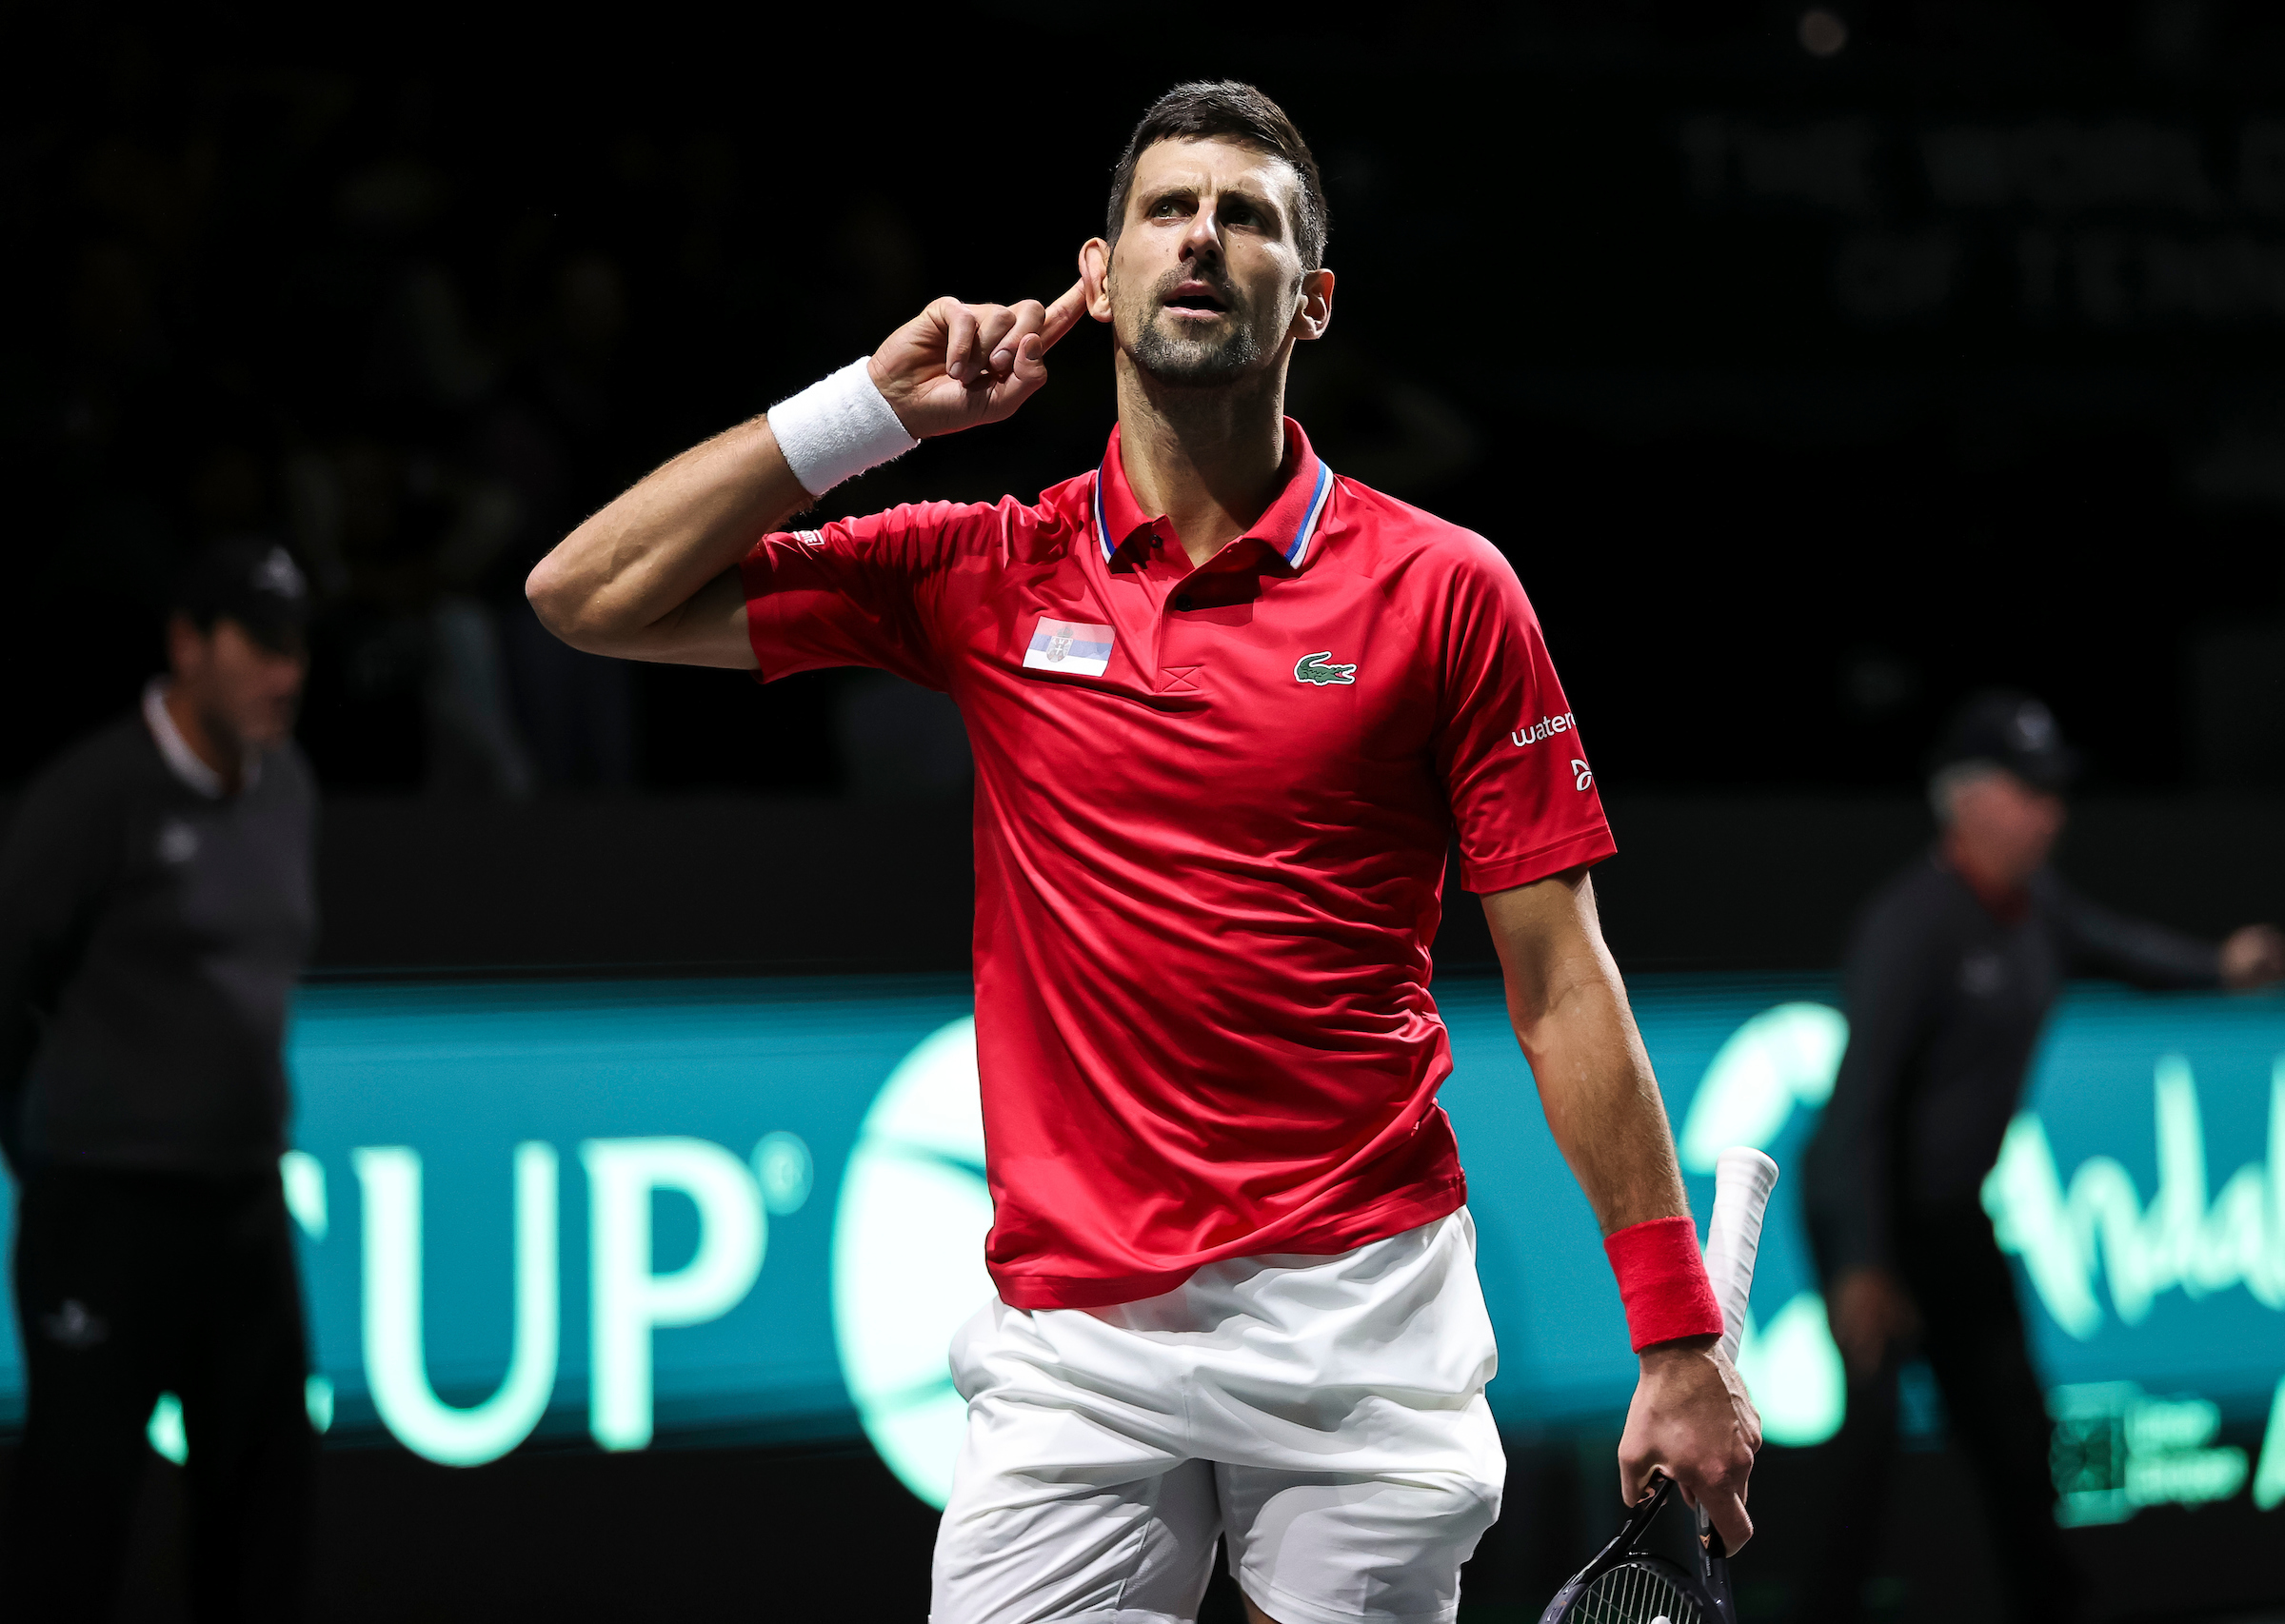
(838, 428)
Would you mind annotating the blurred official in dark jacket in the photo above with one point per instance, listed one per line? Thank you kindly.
(1952, 974)
(155, 910)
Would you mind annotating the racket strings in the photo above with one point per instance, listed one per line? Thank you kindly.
(1633, 1593)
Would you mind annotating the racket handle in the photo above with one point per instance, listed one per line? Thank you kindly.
(1742, 1179)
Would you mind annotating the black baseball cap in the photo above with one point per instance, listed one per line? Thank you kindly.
(252, 581)
(2010, 729)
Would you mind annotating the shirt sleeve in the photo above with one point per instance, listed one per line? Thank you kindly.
(862, 591)
(1523, 799)
(2100, 942)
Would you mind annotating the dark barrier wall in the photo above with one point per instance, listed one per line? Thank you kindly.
(703, 883)
(1774, 883)
(1761, 883)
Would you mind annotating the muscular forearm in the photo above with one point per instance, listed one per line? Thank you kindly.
(1602, 1103)
(1594, 1082)
(635, 579)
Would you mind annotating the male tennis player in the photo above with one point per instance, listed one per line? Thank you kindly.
(1227, 709)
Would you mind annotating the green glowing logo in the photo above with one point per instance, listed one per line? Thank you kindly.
(1782, 1057)
(2117, 1450)
(395, 1362)
(628, 1299)
(908, 1256)
(2180, 1240)
(784, 1172)
(164, 1429)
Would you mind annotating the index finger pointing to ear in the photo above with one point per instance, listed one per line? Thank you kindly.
(1064, 314)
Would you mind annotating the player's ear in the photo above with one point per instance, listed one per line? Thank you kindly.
(1095, 270)
(1316, 311)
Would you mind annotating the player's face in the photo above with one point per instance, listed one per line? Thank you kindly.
(1205, 281)
(246, 691)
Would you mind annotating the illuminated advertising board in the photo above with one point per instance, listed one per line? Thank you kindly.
(658, 1211)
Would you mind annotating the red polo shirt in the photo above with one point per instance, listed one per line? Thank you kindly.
(1212, 808)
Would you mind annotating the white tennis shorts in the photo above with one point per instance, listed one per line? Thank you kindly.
(1326, 1415)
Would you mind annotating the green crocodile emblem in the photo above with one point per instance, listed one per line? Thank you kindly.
(1312, 669)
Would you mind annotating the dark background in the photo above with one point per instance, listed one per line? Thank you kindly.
(1809, 393)
(1806, 393)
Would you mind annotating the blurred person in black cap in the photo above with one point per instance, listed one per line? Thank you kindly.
(1950, 978)
(155, 908)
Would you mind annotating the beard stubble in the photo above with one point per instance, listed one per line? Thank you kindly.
(1200, 362)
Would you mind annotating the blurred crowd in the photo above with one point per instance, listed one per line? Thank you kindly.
(416, 409)
(317, 306)
(413, 302)
(415, 323)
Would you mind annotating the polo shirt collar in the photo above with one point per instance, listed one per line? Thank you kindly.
(1287, 527)
(175, 750)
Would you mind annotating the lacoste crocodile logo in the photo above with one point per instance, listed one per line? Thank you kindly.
(1312, 669)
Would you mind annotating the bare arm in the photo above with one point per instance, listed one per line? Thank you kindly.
(1570, 1014)
(1690, 1417)
(653, 576)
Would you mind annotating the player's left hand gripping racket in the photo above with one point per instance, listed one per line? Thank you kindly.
(1665, 1565)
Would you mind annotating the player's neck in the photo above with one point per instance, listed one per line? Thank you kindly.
(1212, 461)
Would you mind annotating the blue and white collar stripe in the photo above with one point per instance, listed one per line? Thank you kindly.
(1318, 499)
(1295, 550)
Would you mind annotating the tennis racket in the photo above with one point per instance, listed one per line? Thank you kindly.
(1666, 1565)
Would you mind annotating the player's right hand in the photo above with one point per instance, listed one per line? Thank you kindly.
(955, 366)
(1693, 1419)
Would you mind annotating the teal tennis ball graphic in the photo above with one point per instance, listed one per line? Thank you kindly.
(1784, 1059)
(908, 1256)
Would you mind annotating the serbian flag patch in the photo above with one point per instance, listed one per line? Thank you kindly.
(1069, 647)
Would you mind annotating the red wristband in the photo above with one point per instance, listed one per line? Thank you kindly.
(1663, 1281)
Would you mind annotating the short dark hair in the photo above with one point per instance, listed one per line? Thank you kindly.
(251, 580)
(1206, 108)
